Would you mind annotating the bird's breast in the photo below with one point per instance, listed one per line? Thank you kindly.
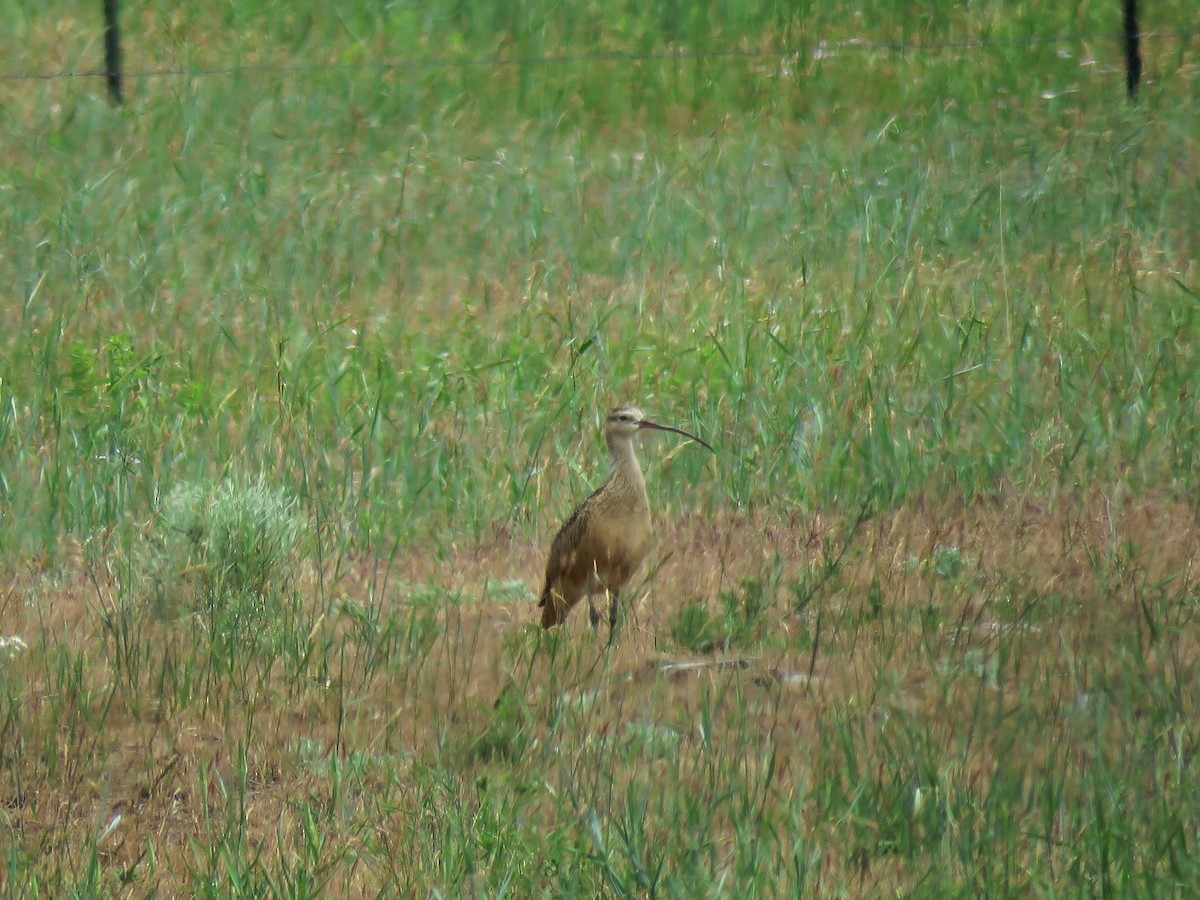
(617, 549)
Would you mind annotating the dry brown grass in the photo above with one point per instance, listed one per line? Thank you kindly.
(1047, 585)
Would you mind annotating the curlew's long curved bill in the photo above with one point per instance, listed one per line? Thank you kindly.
(646, 423)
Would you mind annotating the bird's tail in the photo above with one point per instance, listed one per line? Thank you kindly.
(554, 608)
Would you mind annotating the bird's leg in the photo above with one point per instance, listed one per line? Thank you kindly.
(613, 613)
(593, 614)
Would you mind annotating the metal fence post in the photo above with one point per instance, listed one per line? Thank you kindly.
(1133, 53)
(112, 53)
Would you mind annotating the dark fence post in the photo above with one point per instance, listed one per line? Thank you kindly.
(112, 53)
(1133, 53)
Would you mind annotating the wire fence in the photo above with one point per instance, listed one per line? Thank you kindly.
(819, 50)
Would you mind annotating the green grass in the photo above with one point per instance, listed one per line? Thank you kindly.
(304, 358)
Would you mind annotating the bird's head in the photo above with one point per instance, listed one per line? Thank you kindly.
(624, 422)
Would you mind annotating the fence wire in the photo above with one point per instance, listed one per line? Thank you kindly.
(819, 50)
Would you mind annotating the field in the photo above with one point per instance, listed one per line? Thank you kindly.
(305, 352)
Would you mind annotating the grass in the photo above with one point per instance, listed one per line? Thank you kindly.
(303, 363)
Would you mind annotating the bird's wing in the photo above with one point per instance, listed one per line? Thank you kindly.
(565, 544)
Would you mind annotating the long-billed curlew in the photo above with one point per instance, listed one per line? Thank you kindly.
(605, 539)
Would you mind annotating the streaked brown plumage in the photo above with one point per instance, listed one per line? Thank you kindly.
(605, 539)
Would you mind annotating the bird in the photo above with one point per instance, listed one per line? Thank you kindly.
(604, 540)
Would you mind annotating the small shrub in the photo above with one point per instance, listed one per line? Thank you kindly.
(744, 608)
(699, 630)
(240, 535)
(509, 733)
(696, 629)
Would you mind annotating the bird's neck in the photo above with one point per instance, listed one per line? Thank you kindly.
(625, 463)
